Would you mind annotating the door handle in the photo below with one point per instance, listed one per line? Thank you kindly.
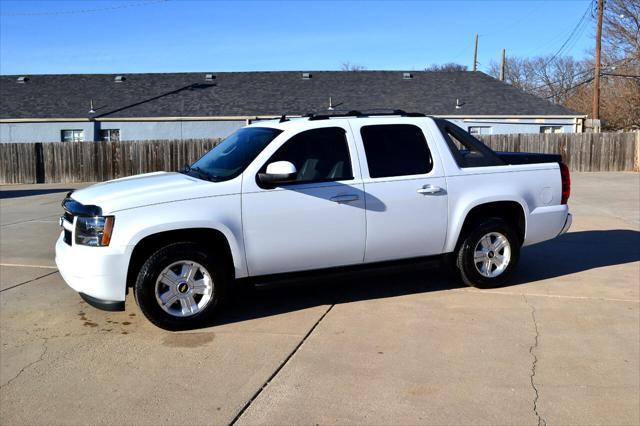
(429, 190)
(340, 199)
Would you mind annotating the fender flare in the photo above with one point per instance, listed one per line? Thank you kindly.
(235, 246)
(458, 219)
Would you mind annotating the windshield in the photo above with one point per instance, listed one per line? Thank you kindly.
(231, 156)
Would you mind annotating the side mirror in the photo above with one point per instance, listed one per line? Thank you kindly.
(278, 172)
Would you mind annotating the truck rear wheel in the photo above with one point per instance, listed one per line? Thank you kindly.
(489, 254)
(180, 286)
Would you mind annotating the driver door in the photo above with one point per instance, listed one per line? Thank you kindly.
(315, 222)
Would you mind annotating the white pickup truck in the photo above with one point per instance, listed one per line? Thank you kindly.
(312, 194)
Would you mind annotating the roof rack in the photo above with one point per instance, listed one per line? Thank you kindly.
(365, 113)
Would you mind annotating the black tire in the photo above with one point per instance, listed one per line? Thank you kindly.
(465, 262)
(145, 286)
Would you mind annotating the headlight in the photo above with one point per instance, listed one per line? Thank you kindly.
(94, 231)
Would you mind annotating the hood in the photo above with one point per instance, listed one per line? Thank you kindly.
(146, 189)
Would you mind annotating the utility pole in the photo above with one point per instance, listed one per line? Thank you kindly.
(502, 67)
(596, 82)
(475, 55)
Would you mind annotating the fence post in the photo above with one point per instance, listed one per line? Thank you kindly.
(636, 166)
(39, 165)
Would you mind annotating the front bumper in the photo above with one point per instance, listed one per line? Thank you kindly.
(99, 274)
(105, 305)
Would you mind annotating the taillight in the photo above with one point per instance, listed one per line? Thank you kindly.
(566, 183)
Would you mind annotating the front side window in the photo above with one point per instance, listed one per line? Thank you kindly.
(110, 135)
(320, 155)
(231, 156)
(72, 135)
(396, 150)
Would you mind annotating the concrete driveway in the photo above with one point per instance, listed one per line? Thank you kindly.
(561, 345)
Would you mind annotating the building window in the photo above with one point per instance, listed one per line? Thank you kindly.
(110, 135)
(72, 136)
(551, 129)
(480, 130)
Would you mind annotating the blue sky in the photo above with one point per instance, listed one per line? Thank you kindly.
(104, 36)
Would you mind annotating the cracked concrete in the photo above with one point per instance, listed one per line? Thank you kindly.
(3, 288)
(4, 382)
(534, 363)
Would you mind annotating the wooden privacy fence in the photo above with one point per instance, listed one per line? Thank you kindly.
(585, 152)
(66, 162)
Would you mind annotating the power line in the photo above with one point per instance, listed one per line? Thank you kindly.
(577, 32)
(578, 36)
(589, 80)
(555, 39)
(525, 16)
(568, 89)
(588, 70)
(80, 11)
(634, 76)
(573, 32)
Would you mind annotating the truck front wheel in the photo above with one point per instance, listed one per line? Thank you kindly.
(180, 286)
(489, 254)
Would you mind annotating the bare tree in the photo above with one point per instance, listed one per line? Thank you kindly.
(619, 102)
(520, 73)
(450, 66)
(620, 81)
(621, 29)
(544, 76)
(569, 82)
(559, 78)
(348, 66)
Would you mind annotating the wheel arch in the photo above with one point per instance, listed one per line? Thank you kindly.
(513, 211)
(213, 238)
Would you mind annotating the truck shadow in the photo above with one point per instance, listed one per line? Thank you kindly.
(279, 298)
(571, 253)
(576, 252)
(17, 193)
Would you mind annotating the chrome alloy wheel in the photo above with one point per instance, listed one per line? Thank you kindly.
(184, 288)
(492, 255)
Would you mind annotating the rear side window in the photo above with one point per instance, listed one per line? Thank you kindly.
(320, 155)
(467, 150)
(396, 150)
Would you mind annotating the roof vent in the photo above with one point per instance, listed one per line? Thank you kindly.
(306, 76)
(209, 77)
(22, 79)
(407, 76)
(119, 78)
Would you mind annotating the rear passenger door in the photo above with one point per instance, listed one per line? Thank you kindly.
(406, 192)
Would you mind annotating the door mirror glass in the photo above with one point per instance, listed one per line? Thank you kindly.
(278, 172)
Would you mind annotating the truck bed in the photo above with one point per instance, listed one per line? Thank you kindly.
(528, 158)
